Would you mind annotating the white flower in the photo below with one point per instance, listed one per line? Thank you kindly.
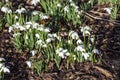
(85, 55)
(70, 0)
(21, 28)
(6, 0)
(39, 42)
(35, 2)
(2, 59)
(29, 23)
(33, 52)
(29, 64)
(79, 41)
(1, 65)
(10, 29)
(22, 10)
(6, 10)
(44, 17)
(95, 51)
(66, 8)
(35, 13)
(40, 28)
(58, 5)
(35, 25)
(3, 68)
(62, 52)
(47, 30)
(80, 48)
(74, 57)
(86, 33)
(16, 34)
(74, 35)
(92, 39)
(69, 41)
(50, 40)
(16, 17)
(6, 70)
(73, 4)
(37, 36)
(86, 28)
(27, 26)
(67, 53)
(108, 10)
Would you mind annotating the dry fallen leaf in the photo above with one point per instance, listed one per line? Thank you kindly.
(103, 71)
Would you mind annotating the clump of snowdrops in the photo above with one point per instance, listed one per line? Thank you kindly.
(38, 40)
(3, 69)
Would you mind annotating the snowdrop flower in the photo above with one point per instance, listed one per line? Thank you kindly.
(6, 10)
(16, 34)
(22, 10)
(74, 35)
(35, 2)
(80, 48)
(6, 1)
(86, 28)
(27, 26)
(108, 10)
(6, 70)
(1, 65)
(86, 33)
(2, 59)
(69, 41)
(66, 8)
(49, 40)
(95, 51)
(74, 57)
(40, 28)
(70, 0)
(39, 42)
(35, 25)
(44, 17)
(28, 23)
(29, 64)
(35, 13)
(33, 52)
(67, 53)
(72, 4)
(79, 41)
(10, 29)
(16, 17)
(37, 36)
(21, 28)
(85, 55)
(62, 52)
(3, 68)
(47, 30)
(58, 5)
(92, 39)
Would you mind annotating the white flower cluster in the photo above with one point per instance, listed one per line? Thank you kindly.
(27, 26)
(22, 10)
(41, 43)
(6, 10)
(53, 37)
(3, 68)
(86, 30)
(62, 52)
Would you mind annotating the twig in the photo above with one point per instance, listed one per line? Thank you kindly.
(97, 18)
